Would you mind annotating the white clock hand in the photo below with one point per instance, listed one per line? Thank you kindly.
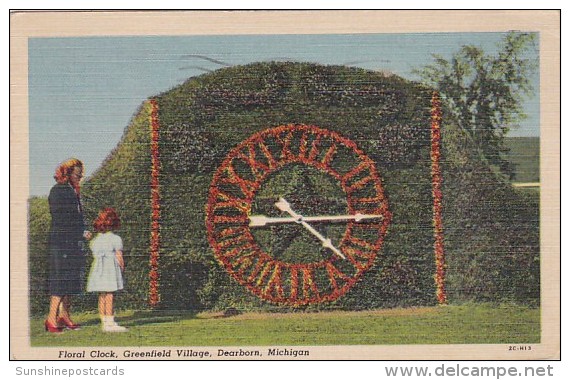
(356, 217)
(283, 205)
(262, 220)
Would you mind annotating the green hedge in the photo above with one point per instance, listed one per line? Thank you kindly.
(39, 221)
(123, 182)
(491, 231)
(387, 117)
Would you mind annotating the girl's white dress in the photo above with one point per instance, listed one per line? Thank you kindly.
(105, 274)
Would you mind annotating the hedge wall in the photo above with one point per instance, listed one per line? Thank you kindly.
(491, 231)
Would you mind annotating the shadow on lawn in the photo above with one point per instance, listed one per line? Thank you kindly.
(144, 317)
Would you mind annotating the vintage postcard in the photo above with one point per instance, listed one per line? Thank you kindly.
(285, 185)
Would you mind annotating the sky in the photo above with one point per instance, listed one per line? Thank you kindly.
(84, 91)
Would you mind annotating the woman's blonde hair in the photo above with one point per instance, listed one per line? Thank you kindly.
(64, 170)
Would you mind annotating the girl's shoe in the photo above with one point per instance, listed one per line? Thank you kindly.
(52, 328)
(68, 324)
(114, 328)
(109, 325)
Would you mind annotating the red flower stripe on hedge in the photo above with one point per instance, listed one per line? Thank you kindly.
(437, 198)
(154, 296)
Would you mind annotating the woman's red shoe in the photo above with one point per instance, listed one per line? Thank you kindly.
(68, 324)
(52, 328)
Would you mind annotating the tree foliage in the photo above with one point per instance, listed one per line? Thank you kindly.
(485, 92)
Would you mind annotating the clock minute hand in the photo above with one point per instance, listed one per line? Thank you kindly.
(283, 205)
(356, 217)
(262, 220)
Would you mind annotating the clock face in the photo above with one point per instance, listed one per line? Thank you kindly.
(297, 214)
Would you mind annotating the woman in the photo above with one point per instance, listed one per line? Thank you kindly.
(66, 240)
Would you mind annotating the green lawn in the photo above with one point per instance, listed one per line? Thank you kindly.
(427, 325)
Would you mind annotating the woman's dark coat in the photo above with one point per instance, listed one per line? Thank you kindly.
(67, 260)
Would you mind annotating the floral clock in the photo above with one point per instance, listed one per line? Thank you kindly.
(244, 240)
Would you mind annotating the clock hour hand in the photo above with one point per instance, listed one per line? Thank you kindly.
(283, 205)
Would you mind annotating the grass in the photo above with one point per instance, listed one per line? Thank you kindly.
(469, 324)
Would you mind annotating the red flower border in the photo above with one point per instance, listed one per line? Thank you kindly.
(154, 296)
(437, 179)
(304, 156)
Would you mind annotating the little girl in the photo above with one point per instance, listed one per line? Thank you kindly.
(106, 271)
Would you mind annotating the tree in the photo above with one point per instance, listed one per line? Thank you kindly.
(485, 92)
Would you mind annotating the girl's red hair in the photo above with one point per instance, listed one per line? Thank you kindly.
(108, 220)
